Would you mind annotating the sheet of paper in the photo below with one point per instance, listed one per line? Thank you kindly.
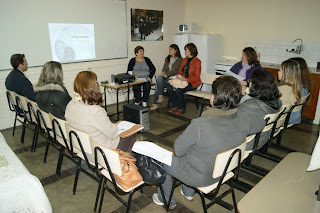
(154, 151)
(231, 74)
(124, 126)
(143, 79)
(175, 76)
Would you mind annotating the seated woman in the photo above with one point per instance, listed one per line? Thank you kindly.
(295, 117)
(190, 70)
(196, 149)
(170, 68)
(291, 87)
(248, 64)
(51, 96)
(263, 99)
(85, 114)
(142, 68)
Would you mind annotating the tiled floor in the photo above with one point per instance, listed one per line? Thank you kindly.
(165, 128)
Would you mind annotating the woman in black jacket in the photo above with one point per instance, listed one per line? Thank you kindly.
(51, 95)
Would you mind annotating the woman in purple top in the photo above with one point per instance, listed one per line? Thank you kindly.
(248, 64)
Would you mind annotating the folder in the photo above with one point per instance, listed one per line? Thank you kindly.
(127, 128)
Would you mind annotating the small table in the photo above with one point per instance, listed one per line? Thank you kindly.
(286, 188)
(117, 87)
(19, 190)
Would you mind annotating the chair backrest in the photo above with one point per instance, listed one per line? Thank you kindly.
(228, 160)
(45, 121)
(78, 139)
(22, 104)
(59, 130)
(11, 97)
(250, 138)
(208, 78)
(271, 119)
(107, 158)
(285, 109)
(302, 102)
(32, 108)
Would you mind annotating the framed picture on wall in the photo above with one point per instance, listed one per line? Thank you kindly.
(146, 25)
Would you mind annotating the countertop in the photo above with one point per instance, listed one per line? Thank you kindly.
(267, 65)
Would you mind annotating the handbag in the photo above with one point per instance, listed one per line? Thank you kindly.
(177, 83)
(130, 175)
(150, 169)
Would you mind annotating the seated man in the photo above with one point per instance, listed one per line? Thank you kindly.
(16, 80)
(196, 149)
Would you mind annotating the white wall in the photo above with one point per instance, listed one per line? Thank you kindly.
(173, 12)
(248, 20)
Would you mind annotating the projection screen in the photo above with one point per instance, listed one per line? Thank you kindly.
(65, 31)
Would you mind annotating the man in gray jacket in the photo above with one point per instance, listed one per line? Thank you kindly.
(196, 149)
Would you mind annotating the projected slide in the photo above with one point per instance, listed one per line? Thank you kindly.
(72, 42)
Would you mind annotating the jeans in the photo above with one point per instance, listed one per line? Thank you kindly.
(137, 92)
(177, 95)
(173, 170)
(160, 85)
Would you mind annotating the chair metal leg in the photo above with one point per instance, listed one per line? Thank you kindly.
(34, 136)
(171, 194)
(60, 161)
(102, 194)
(129, 201)
(185, 103)
(47, 149)
(166, 206)
(197, 105)
(76, 177)
(98, 194)
(233, 197)
(14, 124)
(202, 107)
(23, 131)
(203, 202)
(242, 186)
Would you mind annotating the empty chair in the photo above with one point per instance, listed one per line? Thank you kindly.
(226, 168)
(206, 79)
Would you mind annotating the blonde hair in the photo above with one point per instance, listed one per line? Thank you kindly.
(292, 77)
(51, 73)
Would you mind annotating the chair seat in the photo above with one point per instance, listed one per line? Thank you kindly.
(210, 188)
(196, 93)
(246, 154)
(290, 125)
(105, 173)
(207, 96)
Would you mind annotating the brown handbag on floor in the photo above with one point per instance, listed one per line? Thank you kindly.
(130, 175)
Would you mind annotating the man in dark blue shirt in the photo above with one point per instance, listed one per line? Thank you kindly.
(16, 80)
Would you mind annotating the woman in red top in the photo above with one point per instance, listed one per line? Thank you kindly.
(190, 70)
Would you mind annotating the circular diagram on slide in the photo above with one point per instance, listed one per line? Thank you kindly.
(64, 52)
(72, 41)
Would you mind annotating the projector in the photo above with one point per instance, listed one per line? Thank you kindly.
(124, 78)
